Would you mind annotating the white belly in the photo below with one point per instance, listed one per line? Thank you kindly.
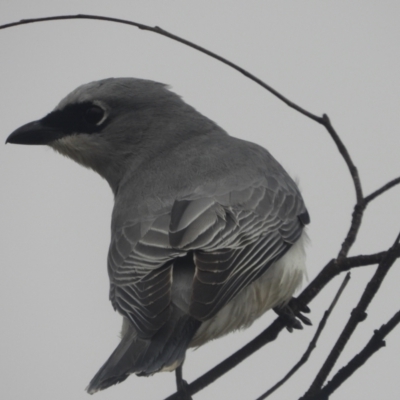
(275, 287)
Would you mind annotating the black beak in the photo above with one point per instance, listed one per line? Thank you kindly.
(35, 133)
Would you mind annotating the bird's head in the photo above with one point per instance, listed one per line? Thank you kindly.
(109, 124)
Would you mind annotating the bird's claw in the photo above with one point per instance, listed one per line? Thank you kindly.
(291, 314)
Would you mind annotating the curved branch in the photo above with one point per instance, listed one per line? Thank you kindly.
(165, 33)
(345, 154)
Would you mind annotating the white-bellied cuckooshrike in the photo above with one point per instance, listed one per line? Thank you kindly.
(207, 229)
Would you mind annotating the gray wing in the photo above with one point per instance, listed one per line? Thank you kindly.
(233, 237)
(140, 269)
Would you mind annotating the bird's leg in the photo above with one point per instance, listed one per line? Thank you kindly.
(291, 313)
(181, 385)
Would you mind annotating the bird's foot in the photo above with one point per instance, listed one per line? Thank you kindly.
(182, 385)
(291, 314)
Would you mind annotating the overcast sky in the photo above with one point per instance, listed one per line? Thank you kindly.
(336, 57)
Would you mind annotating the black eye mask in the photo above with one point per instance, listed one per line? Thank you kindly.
(76, 118)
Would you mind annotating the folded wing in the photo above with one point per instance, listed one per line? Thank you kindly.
(233, 237)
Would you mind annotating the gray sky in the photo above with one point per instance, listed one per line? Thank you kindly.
(335, 57)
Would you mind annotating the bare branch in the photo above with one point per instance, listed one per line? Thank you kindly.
(343, 151)
(165, 33)
(334, 268)
(358, 315)
(383, 189)
(375, 343)
(364, 260)
(312, 344)
(361, 204)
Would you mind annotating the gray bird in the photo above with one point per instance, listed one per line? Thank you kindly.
(207, 230)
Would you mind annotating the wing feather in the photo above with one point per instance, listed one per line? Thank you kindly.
(233, 238)
(263, 223)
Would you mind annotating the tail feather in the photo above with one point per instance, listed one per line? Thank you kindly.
(165, 350)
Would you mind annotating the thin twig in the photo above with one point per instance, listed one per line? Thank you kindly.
(360, 205)
(342, 263)
(358, 315)
(376, 342)
(364, 260)
(313, 343)
(334, 268)
(165, 33)
(383, 189)
(343, 151)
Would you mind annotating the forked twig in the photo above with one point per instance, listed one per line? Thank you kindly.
(358, 315)
(381, 190)
(375, 343)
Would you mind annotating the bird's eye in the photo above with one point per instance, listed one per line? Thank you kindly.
(93, 115)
